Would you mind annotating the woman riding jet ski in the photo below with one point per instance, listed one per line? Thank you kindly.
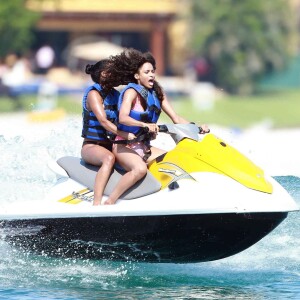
(201, 201)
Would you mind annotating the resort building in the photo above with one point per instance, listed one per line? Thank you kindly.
(142, 24)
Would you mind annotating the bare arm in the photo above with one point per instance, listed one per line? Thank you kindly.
(95, 103)
(168, 109)
(176, 119)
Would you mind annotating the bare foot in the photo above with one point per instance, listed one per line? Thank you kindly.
(109, 202)
(96, 203)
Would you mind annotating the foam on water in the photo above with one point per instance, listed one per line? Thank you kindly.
(24, 156)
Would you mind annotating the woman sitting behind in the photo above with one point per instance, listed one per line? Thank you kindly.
(99, 116)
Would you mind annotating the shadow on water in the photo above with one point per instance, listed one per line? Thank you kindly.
(36, 276)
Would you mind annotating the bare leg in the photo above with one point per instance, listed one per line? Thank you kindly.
(134, 165)
(99, 156)
(155, 152)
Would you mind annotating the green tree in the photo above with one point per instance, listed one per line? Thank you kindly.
(241, 39)
(16, 23)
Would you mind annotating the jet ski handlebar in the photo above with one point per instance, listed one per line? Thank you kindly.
(164, 128)
(175, 130)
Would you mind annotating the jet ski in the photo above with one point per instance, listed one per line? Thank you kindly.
(202, 200)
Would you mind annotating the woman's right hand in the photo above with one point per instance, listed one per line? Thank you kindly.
(152, 127)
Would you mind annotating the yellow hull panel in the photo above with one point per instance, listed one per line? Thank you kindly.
(211, 154)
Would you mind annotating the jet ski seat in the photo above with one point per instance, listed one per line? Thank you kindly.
(85, 174)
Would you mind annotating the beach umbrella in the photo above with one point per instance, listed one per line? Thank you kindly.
(95, 51)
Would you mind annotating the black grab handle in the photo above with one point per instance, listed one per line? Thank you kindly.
(162, 128)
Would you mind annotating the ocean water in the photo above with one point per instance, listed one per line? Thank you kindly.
(268, 270)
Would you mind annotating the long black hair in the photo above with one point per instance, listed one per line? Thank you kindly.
(121, 69)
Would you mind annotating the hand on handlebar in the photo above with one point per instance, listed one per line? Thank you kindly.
(204, 129)
(152, 127)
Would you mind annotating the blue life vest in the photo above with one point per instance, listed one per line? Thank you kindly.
(150, 115)
(92, 129)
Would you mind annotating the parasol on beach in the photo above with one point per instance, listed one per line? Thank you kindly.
(95, 51)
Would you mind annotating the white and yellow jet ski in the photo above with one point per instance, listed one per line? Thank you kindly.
(201, 201)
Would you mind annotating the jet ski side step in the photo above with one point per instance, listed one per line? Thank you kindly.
(85, 174)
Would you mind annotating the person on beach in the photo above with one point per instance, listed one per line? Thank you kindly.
(99, 116)
(140, 104)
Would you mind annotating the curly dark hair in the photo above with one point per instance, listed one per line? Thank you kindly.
(121, 68)
(96, 69)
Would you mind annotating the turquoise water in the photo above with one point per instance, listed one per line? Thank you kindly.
(268, 270)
